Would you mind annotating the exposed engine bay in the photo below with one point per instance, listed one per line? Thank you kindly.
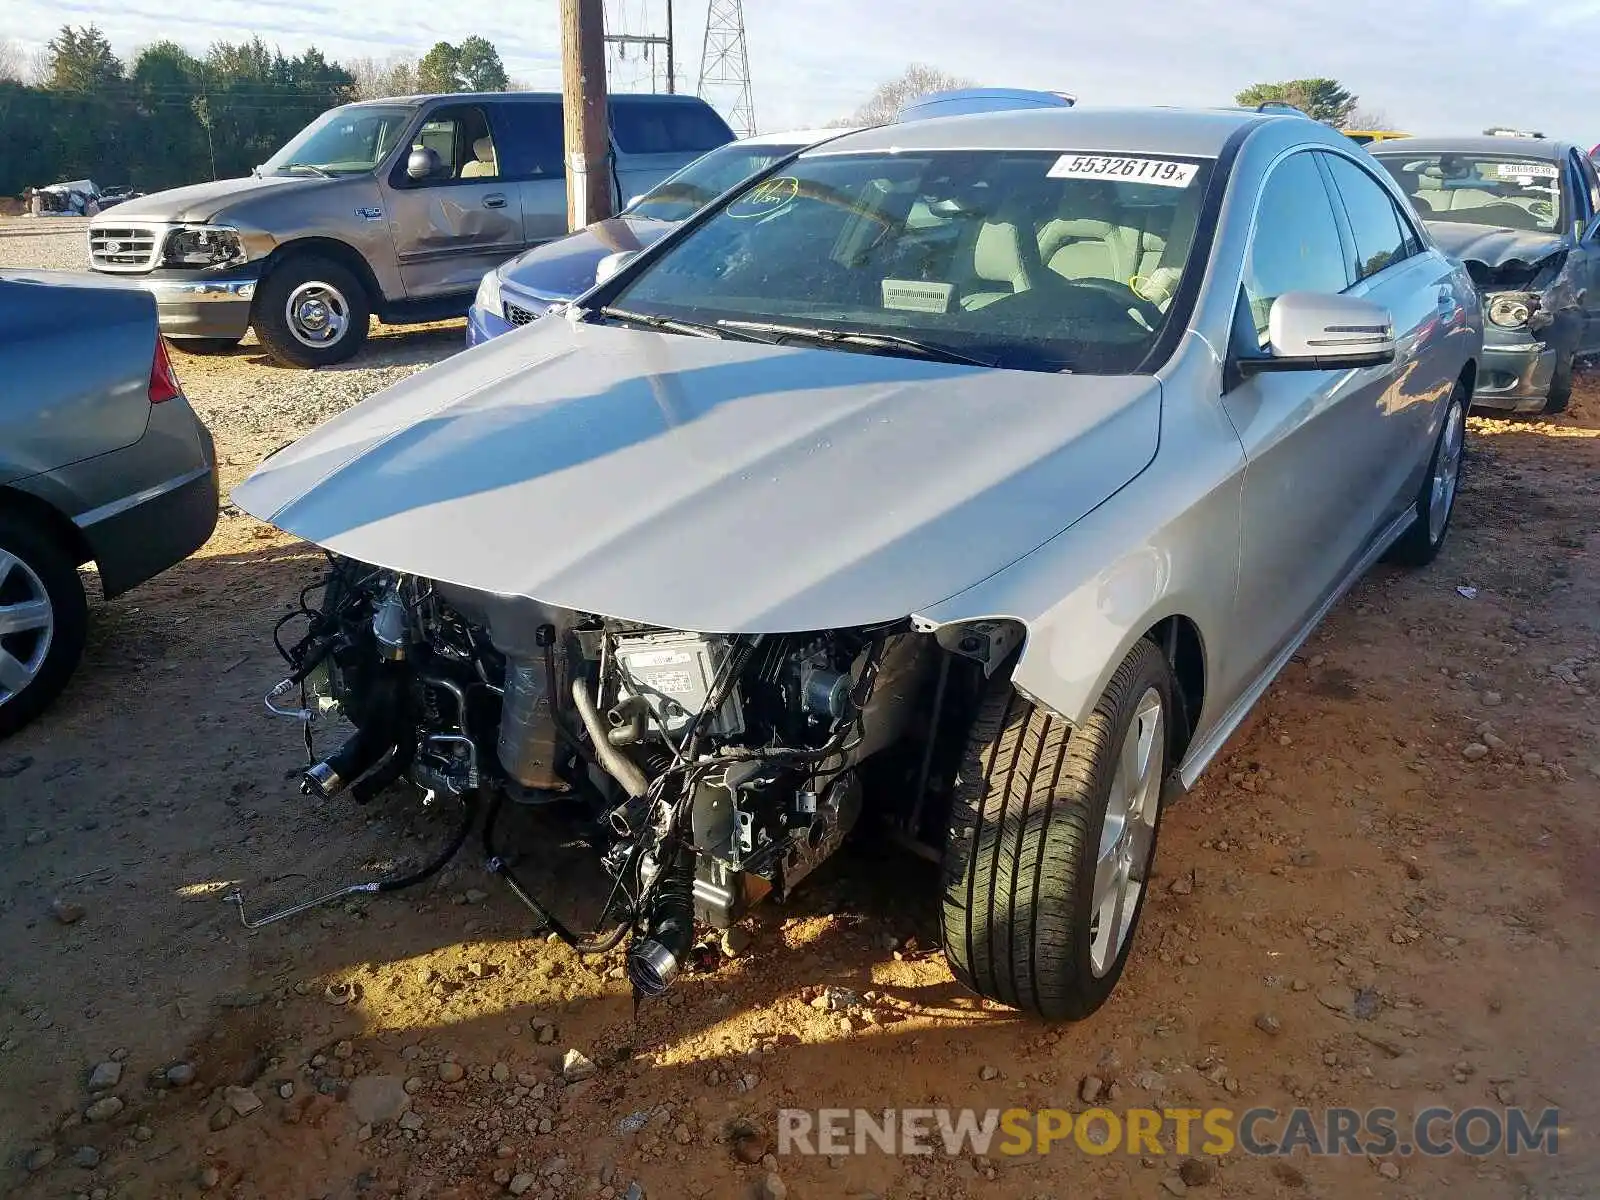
(706, 770)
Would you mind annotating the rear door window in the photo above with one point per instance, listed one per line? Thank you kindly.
(530, 137)
(1381, 237)
(644, 127)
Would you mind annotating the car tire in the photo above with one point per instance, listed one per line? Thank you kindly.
(1560, 394)
(311, 312)
(1421, 543)
(1040, 811)
(36, 661)
(205, 347)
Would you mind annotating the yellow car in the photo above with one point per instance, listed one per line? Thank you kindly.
(1365, 137)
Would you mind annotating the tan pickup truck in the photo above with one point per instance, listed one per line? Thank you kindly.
(388, 208)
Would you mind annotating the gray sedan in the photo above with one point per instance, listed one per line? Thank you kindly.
(101, 460)
(981, 472)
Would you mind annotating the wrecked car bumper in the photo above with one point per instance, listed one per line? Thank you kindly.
(1515, 377)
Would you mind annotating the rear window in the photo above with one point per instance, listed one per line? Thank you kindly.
(674, 128)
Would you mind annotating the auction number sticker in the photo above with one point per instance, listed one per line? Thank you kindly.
(1528, 170)
(1133, 170)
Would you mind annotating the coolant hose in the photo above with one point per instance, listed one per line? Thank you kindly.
(617, 764)
(655, 959)
(469, 810)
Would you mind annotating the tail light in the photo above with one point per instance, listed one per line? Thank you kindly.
(163, 379)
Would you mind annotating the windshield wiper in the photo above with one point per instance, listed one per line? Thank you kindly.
(882, 341)
(666, 324)
(312, 167)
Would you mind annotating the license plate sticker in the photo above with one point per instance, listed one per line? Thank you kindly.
(1161, 171)
(1528, 171)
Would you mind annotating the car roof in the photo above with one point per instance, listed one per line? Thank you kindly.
(1193, 132)
(795, 137)
(1523, 147)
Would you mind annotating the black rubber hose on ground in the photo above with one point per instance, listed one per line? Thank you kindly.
(469, 807)
(655, 959)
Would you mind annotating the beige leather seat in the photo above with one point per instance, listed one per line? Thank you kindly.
(1097, 241)
(483, 165)
(998, 266)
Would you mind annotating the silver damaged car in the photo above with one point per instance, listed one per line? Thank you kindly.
(975, 477)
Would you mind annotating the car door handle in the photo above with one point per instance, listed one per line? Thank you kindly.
(494, 201)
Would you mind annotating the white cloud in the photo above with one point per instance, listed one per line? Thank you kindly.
(1431, 65)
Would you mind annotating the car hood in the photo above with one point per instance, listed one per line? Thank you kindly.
(1493, 246)
(564, 269)
(708, 485)
(201, 202)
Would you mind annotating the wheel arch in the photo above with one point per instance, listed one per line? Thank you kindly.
(343, 253)
(42, 512)
(1469, 378)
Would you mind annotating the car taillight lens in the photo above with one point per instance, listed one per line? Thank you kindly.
(163, 379)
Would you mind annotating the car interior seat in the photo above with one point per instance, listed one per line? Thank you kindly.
(483, 165)
(1001, 263)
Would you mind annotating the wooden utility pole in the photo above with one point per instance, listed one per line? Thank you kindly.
(583, 84)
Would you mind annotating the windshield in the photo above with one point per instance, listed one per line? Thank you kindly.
(1036, 260)
(343, 141)
(1502, 190)
(680, 196)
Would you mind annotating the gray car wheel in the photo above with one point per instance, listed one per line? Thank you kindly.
(1436, 498)
(1052, 836)
(43, 621)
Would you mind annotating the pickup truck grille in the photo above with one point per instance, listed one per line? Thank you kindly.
(125, 248)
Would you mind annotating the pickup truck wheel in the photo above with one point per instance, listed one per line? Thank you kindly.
(44, 618)
(1436, 499)
(1052, 833)
(311, 312)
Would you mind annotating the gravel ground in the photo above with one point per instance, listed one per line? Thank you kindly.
(1384, 893)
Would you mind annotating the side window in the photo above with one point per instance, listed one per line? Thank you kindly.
(459, 135)
(529, 138)
(1588, 197)
(1296, 246)
(1381, 238)
(647, 127)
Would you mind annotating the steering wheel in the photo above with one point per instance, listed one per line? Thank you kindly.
(1124, 295)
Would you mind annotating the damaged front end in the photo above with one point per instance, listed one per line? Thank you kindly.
(706, 770)
(1533, 316)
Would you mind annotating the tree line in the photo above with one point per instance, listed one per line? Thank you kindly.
(170, 117)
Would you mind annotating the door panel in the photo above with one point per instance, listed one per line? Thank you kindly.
(1585, 258)
(467, 219)
(1314, 441)
(533, 152)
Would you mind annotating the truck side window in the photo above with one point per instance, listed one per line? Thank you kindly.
(530, 138)
(652, 127)
(460, 135)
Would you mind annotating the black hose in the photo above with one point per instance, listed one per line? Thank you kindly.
(469, 807)
(655, 959)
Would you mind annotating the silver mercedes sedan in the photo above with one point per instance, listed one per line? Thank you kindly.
(977, 475)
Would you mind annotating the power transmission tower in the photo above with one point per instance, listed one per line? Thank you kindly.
(725, 65)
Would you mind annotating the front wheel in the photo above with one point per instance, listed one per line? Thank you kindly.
(311, 312)
(43, 621)
(1560, 394)
(1436, 499)
(1052, 834)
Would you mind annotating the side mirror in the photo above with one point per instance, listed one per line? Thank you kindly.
(1308, 331)
(611, 264)
(423, 163)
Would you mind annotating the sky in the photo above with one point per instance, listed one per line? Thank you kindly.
(1431, 66)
